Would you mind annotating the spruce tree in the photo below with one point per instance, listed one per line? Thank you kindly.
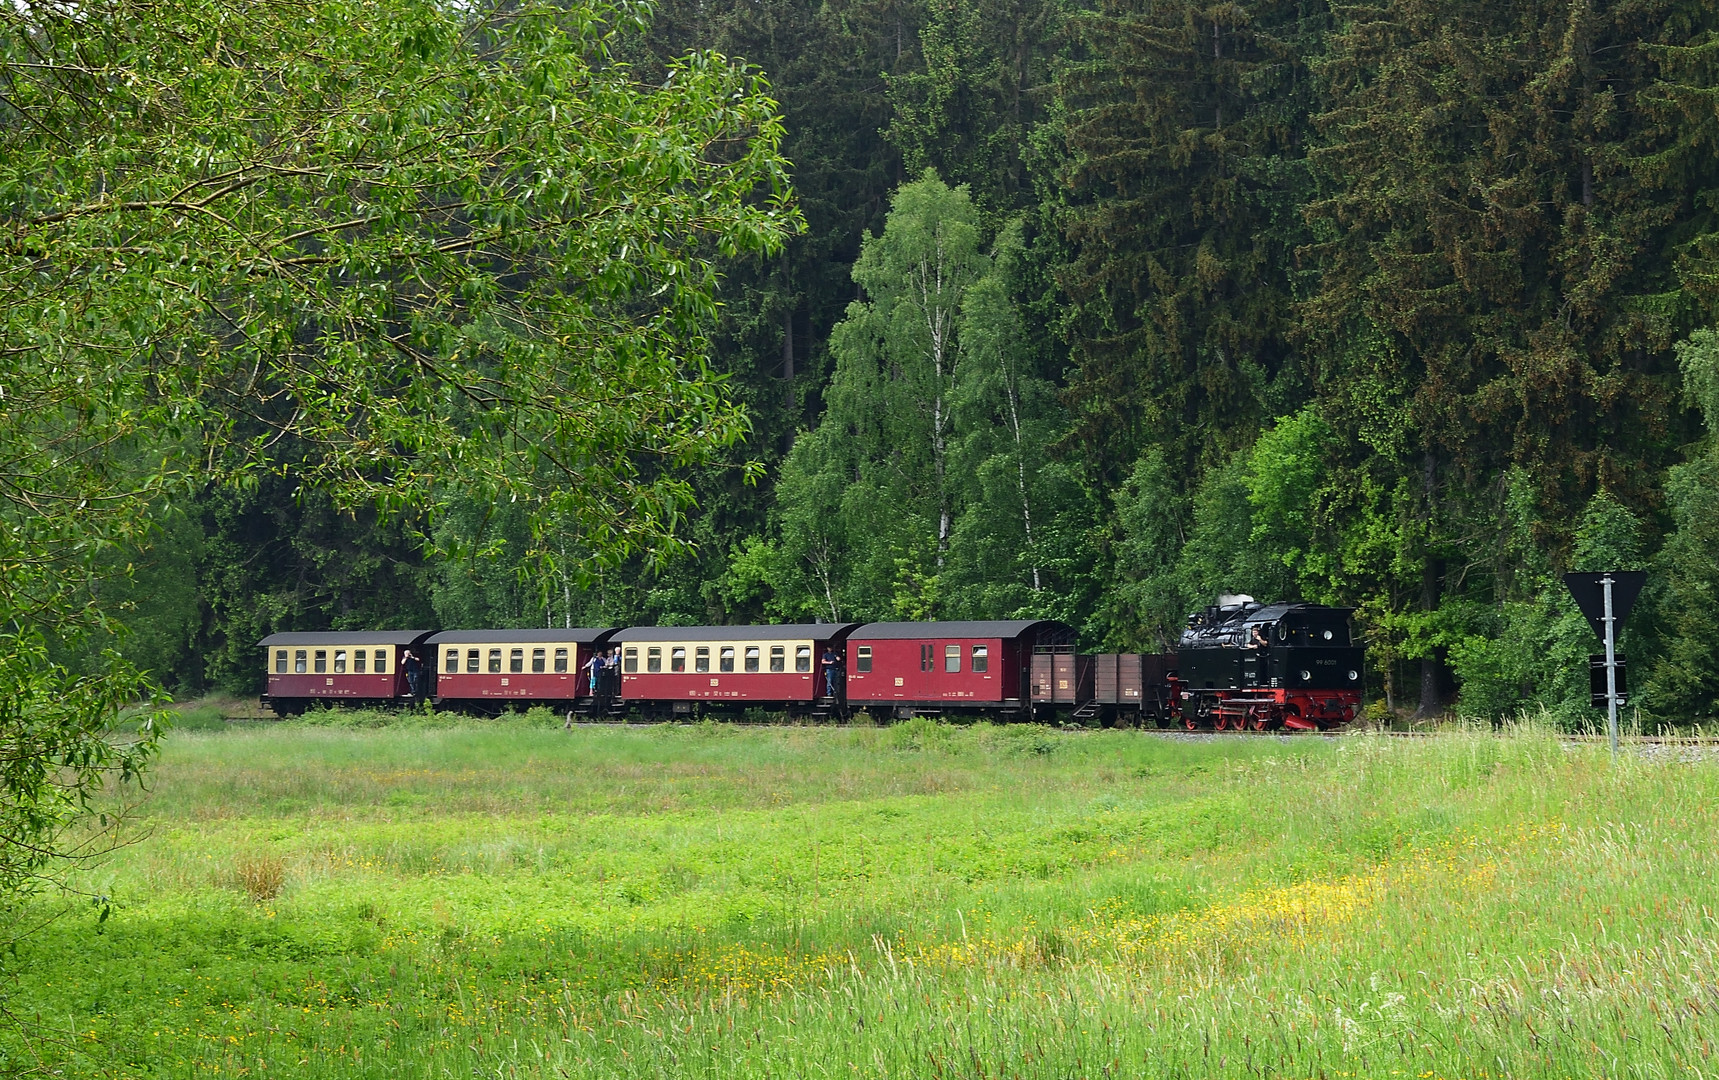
(1184, 139)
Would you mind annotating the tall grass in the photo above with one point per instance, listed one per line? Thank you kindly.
(713, 900)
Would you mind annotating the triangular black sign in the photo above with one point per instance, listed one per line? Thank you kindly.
(1589, 591)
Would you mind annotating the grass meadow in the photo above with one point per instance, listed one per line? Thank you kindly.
(511, 900)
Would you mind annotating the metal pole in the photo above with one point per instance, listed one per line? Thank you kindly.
(1611, 667)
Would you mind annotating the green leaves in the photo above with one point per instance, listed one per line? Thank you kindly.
(416, 251)
(883, 449)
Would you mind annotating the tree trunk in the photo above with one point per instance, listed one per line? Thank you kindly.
(1433, 677)
(939, 326)
(1020, 464)
(1432, 667)
(788, 381)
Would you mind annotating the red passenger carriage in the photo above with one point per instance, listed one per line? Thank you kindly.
(689, 668)
(488, 670)
(359, 667)
(931, 667)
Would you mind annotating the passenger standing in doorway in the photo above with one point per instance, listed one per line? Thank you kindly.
(595, 667)
(829, 661)
(414, 674)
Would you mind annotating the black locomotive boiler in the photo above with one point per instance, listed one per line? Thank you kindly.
(1244, 666)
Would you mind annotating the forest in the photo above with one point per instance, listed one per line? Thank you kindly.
(1095, 310)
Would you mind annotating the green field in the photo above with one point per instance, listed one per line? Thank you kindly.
(511, 900)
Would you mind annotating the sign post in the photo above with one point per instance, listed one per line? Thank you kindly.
(1611, 666)
(1606, 600)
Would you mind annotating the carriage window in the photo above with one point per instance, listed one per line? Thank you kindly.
(381, 667)
(495, 661)
(340, 661)
(654, 658)
(981, 658)
(751, 658)
(280, 661)
(802, 658)
(630, 661)
(951, 658)
(927, 656)
(358, 658)
(321, 661)
(561, 660)
(298, 661)
(862, 662)
(471, 660)
(701, 658)
(516, 661)
(537, 661)
(778, 658)
(677, 658)
(725, 659)
(453, 660)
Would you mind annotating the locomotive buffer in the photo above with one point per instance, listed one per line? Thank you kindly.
(1606, 599)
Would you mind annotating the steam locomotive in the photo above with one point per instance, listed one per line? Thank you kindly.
(1239, 666)
(1255, 667)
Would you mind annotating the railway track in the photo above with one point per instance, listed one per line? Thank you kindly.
(1695, 745)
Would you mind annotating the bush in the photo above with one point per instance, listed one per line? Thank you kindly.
(259, 877)
(919, 733)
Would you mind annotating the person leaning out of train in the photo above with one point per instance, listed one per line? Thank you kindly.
(1256, 638)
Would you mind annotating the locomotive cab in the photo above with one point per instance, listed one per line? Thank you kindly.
(1310, 649)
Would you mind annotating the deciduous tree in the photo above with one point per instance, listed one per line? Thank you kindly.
(436, 249)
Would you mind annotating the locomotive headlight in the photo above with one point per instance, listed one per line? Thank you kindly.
(1305, 674)
(1327, 635)
(1353, 675)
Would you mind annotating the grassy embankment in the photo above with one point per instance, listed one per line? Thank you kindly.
(909, 901)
